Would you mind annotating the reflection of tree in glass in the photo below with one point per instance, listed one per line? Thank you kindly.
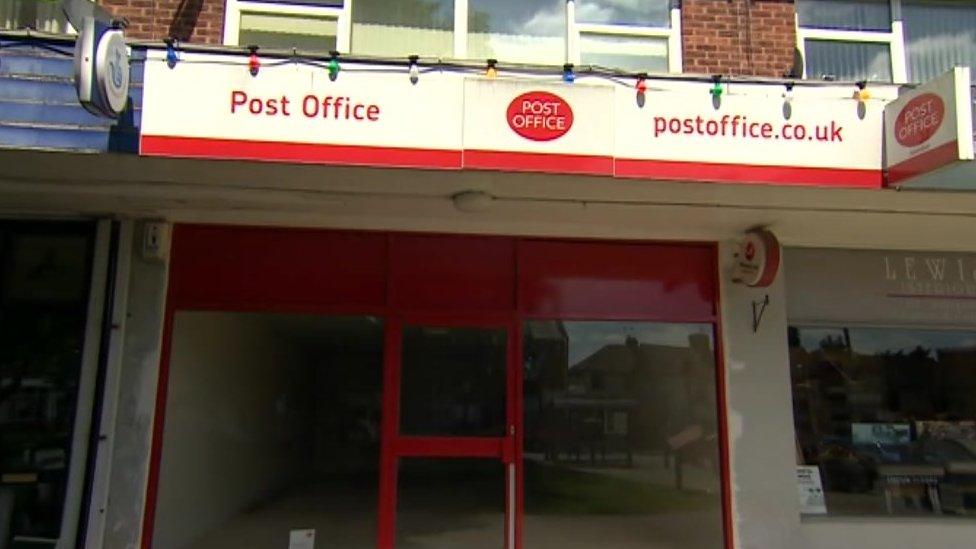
(831, 343)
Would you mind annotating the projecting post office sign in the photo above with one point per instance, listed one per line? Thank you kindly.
(929, 127)
(919, 120)
(757, 259)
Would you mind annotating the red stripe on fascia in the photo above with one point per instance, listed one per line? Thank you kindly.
(747, 173)
(538, 162)
(303, 153)
(926, 162)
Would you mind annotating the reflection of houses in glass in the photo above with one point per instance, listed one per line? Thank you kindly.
(627, 397)
(887, 422)
(835, 385)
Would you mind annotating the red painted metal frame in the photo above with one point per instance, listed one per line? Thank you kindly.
(393, 446)
(721, 389)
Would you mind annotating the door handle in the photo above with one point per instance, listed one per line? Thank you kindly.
(508, 445)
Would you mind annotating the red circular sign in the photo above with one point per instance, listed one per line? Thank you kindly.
(750, 250)
(757, 260)
(539, 116)
(919, 120)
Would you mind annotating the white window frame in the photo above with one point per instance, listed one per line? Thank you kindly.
(575, 32)
(343, 16)
(235, 8)
(894, 39)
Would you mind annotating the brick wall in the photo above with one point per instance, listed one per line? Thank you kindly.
(742, 37)
(200, 21)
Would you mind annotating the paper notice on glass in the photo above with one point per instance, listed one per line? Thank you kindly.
(303, 538)
(812, 500)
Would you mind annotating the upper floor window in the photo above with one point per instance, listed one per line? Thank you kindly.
(33, 14)
(885, 40)
(632, 35)
(938, 35)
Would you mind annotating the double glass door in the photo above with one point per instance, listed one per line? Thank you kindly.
(549, 434)
(448, 458)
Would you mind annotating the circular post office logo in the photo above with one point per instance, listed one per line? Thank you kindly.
(112, 69)
(539, 116)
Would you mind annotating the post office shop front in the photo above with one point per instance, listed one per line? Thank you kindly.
(551, 379)
(500, 311)
(426, 390)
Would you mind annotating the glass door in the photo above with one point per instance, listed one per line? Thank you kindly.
(448, 458)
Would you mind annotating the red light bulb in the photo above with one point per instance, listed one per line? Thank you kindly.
(253, 63)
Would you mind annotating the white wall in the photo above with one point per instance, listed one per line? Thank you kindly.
(229, 441)
(765, 502)
(132, 436)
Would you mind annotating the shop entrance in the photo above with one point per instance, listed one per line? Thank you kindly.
(448, 466)
(397, 391)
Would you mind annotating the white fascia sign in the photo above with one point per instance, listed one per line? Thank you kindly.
(215, 105)
(929, 129)
(102, 68)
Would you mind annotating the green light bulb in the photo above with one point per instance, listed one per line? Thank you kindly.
(333, 68)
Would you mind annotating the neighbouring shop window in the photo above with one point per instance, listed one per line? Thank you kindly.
(888, 416)
(867, 39)
(621, 435)
(42, 15)
(44, 283)
(271, 426)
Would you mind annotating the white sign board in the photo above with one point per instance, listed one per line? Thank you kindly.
(683, 131)
(929, 127)
(879, 287)
(212, 106)
(812, 501)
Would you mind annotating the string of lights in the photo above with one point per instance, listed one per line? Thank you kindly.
(569, 74)
(414, 67)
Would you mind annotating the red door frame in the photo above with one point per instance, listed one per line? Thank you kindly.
(395, 445)
(177, 302)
